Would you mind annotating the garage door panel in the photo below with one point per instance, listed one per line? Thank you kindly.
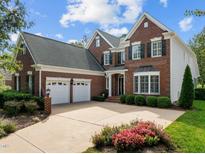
(81, 91)
(59, 91)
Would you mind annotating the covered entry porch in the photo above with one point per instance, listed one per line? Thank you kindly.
(115, 81)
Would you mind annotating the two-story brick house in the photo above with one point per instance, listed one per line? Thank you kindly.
(149, 60)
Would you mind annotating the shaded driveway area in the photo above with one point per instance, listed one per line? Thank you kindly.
(70, 127)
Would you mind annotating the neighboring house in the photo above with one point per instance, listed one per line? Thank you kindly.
(149, 60)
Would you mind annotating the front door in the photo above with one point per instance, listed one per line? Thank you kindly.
(120, 85)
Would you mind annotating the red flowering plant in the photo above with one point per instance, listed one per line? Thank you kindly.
(143, 133)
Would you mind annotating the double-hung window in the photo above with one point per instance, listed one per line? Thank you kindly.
(147, 83)
(97, 41)
(121, 57)
(156, 48)
(106, 58)
(136, 51)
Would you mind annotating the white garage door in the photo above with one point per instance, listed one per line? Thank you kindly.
(81, 90)
(59, 90)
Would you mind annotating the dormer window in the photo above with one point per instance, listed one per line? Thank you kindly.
(97, 41)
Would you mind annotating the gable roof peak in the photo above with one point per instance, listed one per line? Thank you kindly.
(140, 20)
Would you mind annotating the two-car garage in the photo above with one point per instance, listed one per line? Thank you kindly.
(65, 90)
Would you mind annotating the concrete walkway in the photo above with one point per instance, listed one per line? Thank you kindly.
(70, 127)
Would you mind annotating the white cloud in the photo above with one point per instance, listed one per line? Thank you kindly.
(164, 3)
(59, 36)
(72, 41)
(186, 24)
(117, 31)
(39, 34)
(14, 37)
(103, 12)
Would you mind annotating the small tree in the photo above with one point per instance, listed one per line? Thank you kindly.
(187, 90)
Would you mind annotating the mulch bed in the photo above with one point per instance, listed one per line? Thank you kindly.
(155, 149)
(24, 120)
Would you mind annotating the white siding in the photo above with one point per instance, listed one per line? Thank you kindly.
(180, 57)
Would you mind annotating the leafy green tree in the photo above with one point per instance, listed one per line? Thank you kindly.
(195, 12)
(197, 44)
(12, 20)
(187, 90)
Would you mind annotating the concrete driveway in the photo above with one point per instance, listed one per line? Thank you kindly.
(70, 127)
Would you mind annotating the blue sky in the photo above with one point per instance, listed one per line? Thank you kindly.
(68, 20)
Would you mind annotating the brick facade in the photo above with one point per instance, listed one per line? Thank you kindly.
(27, 62)
(160, 63)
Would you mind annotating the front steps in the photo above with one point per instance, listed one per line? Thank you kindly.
(115, 99)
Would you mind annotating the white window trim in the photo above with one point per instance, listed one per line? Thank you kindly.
(104, 53)
(121, 60)
(134, 44)
(97, 38)
(156, 39)
(149, 74)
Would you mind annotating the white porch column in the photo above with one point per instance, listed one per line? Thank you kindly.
(110, 84)
(124, 83)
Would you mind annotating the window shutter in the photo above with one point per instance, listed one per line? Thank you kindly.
(110, 58)
(102, 59)
(142, 50)
(27, 83)
(163, 47)
(149, 49)
(119, 57)
(19, 83)
(130, 53)
(33, 84)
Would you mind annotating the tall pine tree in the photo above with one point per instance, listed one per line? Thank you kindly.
(187, 90)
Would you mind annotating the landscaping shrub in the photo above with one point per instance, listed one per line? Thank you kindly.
(140, 100)
(135, 138)
(130, 99)
(40, 102)
(104, 138)
(12, 108)
(12, 95)
(8, 126)
(104, 93)
(200, 94)
(128, 141)
(187, 91)
(30, 106)
(122, 99)
(163, 102)
(98, 98)
(2, 133)
(152, 101)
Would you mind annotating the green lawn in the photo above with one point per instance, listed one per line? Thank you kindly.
(188, 131)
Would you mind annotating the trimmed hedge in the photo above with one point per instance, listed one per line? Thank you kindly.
(98, 98)
(140, 100)
(12, 95)
(200, 94)
(12, 108)
(130, 99)
(163, 102)
(123, 99)
(152, 101)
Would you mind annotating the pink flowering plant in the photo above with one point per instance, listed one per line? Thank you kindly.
(135, 137)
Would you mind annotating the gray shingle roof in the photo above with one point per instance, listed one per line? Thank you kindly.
(51, 52)
(115, 41)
